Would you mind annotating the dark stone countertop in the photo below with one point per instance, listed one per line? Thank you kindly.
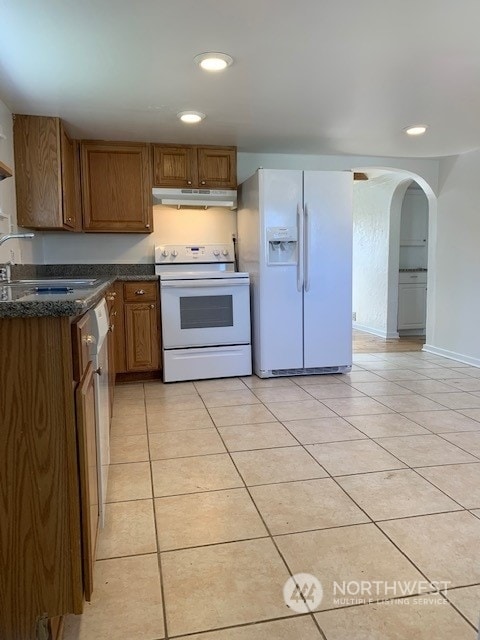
(25, 302)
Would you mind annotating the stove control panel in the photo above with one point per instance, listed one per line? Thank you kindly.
(202, 253)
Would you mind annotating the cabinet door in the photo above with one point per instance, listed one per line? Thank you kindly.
(69, 186)
(141, 329)
(119, 331)
(116, 187)
(38, 172)
(217, 167)
(414, 219)
(174, 166)
(111, 354)
(412, 306)
(87, 459)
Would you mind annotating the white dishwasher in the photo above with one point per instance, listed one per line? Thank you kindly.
(98, 348)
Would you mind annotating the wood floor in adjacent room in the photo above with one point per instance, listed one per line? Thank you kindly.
(368, 343)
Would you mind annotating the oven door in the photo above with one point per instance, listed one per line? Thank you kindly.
(202, 313)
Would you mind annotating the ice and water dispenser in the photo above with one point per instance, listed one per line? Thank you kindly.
(282, 245)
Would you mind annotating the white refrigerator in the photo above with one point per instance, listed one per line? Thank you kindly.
(295, 240)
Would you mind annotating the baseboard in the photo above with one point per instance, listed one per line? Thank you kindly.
(137, 376)
(405, 333)
(460, 357)
(376, 332)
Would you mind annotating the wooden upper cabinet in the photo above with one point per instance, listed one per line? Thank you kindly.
(184, 166)
(70, 176)
(174, 166)
(46, 174)
(217, 167)
(116, 187)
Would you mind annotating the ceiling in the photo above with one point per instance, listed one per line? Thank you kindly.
(309, 76)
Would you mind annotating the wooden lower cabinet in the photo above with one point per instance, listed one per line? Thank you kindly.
(87, 469)
(48, 474)
(141, 328)
(112, 304)
(137, 335)
(41, 555)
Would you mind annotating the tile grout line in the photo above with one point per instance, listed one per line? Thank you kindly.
(271, 537)
(300, 444)
(409, 560)
(375, 522)
(159, 559)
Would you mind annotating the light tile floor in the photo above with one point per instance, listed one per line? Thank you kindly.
(220, 490)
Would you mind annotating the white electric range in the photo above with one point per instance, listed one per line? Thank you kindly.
(205, 311)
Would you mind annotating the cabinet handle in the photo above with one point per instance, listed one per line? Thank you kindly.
(147, 226)
(140, 292)
(203, 182)
(152, 306)
(89, 340)
(99, 371)
(189, 182)
(69, 219)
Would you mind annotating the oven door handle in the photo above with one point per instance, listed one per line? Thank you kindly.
(203, 284)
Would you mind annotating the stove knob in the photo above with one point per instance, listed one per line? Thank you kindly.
(225, 252)
(216, 252)
(174, 253)
(165, 253)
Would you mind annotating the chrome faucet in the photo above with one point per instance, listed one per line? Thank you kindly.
(5, 271)
(11, 236)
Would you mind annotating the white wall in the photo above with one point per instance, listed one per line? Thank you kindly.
(375, 254)
(455, 309)
(425, 168)
(213, 225)
(13, 250)
(171, 226)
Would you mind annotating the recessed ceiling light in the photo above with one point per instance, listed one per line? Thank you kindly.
(213, 61)
(416, 130)
(191, 117)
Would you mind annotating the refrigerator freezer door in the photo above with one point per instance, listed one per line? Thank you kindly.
(328, 268)
(279, 298)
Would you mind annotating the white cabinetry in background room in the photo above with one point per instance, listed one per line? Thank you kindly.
(412, 300)
(414, 220)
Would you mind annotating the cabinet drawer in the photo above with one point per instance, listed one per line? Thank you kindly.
(140, 291)
(412, 277)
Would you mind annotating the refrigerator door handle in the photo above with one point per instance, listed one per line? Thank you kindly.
(306, 249)
(299, 247)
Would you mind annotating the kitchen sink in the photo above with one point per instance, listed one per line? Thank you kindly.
(71, 283)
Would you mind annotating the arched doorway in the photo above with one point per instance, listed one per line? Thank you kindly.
(376, 248)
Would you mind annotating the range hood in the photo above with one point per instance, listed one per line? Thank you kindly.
(195, 197)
